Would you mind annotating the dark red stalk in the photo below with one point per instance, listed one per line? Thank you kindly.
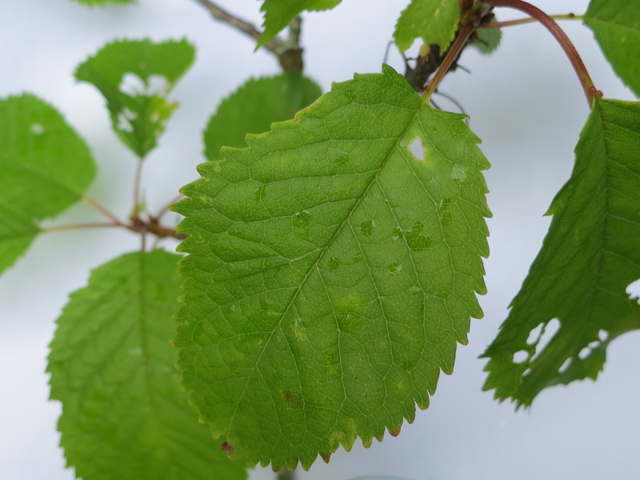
(452, 54)
(585, 79)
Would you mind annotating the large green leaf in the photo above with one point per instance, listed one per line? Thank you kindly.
(254, 107)
(278, 14)
(135, 77)
(331, 271)
(589, 257)
(112, 367)
(616, 25)
(45, 167)
(435, 21)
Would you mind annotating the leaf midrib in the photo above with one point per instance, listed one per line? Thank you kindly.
(320, 257)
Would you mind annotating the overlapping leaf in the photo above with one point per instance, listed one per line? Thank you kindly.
(135, 77)
(279, 13)
(254, 106)
(435, 21)
(113, 369)
(331, 272)
(45, 167)
(616, 25)
(589, 257)
(488, 40)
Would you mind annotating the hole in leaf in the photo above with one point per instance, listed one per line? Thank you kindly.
(548, 332)
(594, 344)
(124, 123)
(634, 289)
(157, 85)
(520, 356)
(534, 335)
(584, 353)
(131, 84)
(603, 335)
(417, 149)
(565, 365)
(37, 129)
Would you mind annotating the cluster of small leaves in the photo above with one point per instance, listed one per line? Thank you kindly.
(111, 362)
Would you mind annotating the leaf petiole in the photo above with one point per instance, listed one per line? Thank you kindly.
(589, 88)
(452, 54)
(136, 189)
(91, 202)
(523, 21)
(79, 226)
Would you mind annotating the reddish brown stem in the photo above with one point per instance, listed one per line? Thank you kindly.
(452, 54)
(153, 226)
(585, 79)
(78, 226)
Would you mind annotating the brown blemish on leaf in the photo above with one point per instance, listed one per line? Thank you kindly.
(293, 399)
(227, 448)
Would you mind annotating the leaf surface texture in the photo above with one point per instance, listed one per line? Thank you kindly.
(112, 367)
(435, 21)
(616, 25)
(279, 13)
(331, 272)
(135, 77)
(45, 167)
(589, 257)
(254, 106)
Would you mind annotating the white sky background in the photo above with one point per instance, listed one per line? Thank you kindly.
(525, 102)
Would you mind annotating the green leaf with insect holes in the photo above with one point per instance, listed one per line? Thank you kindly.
(279, 13)
(616, 25)
(588, 258)
(112, 367)
(331, 272)
(45, 167)
(254, 106)
(135, 77)
(434, 21)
